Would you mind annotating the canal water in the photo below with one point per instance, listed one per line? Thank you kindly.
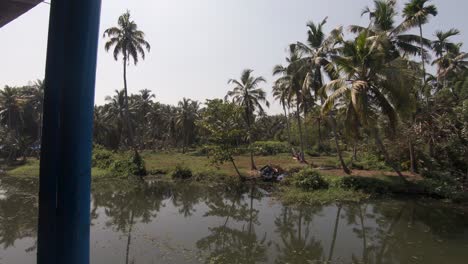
(158, 222)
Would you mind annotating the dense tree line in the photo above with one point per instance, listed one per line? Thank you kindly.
(364, 89)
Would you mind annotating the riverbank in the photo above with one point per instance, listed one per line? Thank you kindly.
(361, 185)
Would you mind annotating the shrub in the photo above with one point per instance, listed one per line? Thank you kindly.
(445, 188)
(118, 165)
(181, 172)
(138, 163)
(268, 148)
(129, 165)
(308, 179)
(365, 184)
(102, 158)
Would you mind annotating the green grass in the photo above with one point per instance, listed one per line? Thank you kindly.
(166, 162)
(28, 170)
(31, 170)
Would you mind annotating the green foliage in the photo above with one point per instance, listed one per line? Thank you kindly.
(138, 165)
(221, 122)
(370, 162)
(445, 187)
(308, 179)
(118, 165)
(102, 158)
(181, 172)
(268, 148)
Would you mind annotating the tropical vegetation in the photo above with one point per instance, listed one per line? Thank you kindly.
(378, 97)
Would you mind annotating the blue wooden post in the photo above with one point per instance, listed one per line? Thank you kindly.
(65, 174)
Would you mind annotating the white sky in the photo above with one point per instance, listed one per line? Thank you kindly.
(197, 45)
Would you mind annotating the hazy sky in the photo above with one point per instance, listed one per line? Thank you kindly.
(197, 45)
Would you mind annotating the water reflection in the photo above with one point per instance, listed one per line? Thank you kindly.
(157, 222)
(235, 241)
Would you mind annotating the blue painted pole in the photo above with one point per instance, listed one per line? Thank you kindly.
(65, 174)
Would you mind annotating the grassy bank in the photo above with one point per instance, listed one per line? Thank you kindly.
(335, 185)
(30, 169)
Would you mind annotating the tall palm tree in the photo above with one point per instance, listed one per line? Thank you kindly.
(247, 95)
(442, 45)
(452, 62)
(382, 17)
(417, 13)
(281, 94)
(292, 77)
(185, 119)
(129, 42)
(374, 85)
(317, 50)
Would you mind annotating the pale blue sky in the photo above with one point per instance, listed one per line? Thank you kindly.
(197, 45)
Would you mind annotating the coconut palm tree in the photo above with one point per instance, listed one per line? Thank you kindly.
(417, 13)
(452, 62)
(185, 119)
(442, 48)
(374, 85)
(247, 95)
(382, 17)
(292, 77)
(11, 109)
(281, 94)
(442, 45)
(129, 42)
(316, 52)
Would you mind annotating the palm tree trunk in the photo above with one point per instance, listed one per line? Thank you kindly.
(335, 232)
(298, 116)
(338, 150)
(184, 141)
(129, 238)
(382, 148)
(127, 111)
(287, 124)
(306, 134)
(364, 238)
(422, 53)
(388, 236)
(319, 143)
(252, 162)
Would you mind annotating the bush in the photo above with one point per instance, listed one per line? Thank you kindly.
(268, 148)
(181, 172)
(138, 165)
(118, 165)
(308, 179)
(445, 188)
(102, 158)
(365, 184)
(128, 165)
